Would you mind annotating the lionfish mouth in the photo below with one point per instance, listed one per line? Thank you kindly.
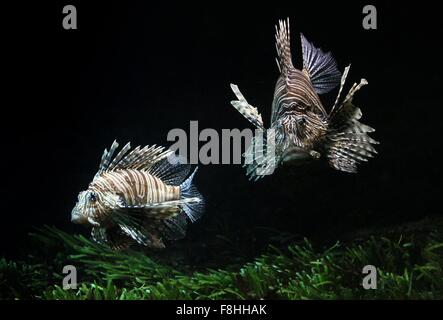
(77, 218)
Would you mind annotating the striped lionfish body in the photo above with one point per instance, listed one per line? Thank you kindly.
(142, 196)
(303, 131)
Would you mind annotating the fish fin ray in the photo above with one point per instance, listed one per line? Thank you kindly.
(136, 233)
(248, 111)
(119, 156)
(193, 202)
(257, 164)
(113, 237)
(137, 159)
(283, 45)
(347, 140)
(342, 84)
(175, 227)
(171, 170)
(321, 67)
(143, 234)
(107, 157)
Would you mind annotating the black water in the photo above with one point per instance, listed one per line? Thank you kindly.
(134, 71)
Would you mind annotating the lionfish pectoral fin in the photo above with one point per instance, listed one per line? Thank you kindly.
(156, 241)
(248, 111)
(143, 237)
(141, 230)
(112, 237)
(99, 235)
(260, 158)
(130, 223)
(137, 233)
(147, 238)
(320, 66)
(347, 141)
(342, 84)
(175, 227)
(169, 229)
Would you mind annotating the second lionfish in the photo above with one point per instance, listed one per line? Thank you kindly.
(301, 128)
(141, 196)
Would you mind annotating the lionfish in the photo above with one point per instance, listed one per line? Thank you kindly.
(141, 196)
(302, 129)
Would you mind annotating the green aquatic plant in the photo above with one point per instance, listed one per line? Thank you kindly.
(409, 267)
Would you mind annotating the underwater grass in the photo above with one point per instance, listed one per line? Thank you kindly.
(409, 267)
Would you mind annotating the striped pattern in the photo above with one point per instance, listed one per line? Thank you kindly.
(320, 66)
(348, 143)
(135, 188)
(304, 131)
(248, 111)
(283, 46)
(298, 115)
(139, 196)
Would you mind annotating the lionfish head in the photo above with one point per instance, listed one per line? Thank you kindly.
(86, 207)
(304, 127)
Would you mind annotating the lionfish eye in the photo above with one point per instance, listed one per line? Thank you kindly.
(92, 197)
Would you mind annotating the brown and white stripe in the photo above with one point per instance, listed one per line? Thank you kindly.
(135, 187)
(139, 195)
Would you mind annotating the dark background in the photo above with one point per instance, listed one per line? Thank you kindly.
(135, 70)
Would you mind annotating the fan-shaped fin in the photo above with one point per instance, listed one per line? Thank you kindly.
(347, 140)
(320, 66)
(138, 159)
(172, 170)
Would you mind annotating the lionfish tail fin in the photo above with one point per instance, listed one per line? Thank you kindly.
(283, 45)
(195, 206)
(320, 66)
(348, 142)
(248, 111)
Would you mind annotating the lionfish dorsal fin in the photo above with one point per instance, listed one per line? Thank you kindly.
(172, 170)
(119, 156)
(107, 156)
(142, 159)
(320, 66)
(283, 46)
(138, 158)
